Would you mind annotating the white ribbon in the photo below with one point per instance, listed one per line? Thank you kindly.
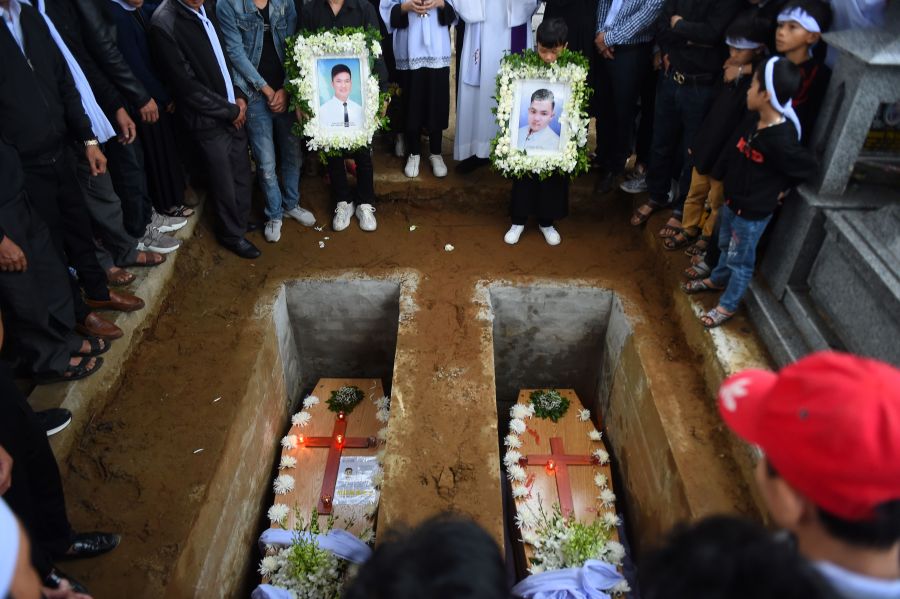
(210, 30)
(786, 109)
(9, 548)
(802, 17)
(594, 580)
(101, 126)
(742, 43)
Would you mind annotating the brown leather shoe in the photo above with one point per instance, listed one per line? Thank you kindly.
(96, 326)
(118, 300)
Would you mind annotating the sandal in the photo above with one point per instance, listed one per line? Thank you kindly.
(119, 277)
(679, 240)
(669, 229)
(697, 271)
(179, 211)
(72, 373)
(715, 318)
(699, 248)
(149, 259)
(640, 216)
(698, 286)
(98, 346)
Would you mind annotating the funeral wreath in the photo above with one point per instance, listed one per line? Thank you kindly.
(548, 403)
(345, 399)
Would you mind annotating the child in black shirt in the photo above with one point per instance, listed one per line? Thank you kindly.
(764, 160)
(746, 39)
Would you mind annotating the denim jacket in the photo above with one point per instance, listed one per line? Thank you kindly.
(242, 29)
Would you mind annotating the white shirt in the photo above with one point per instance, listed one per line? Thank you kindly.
(856, 586)
(545, 139)
(13, 19)
(331, 113)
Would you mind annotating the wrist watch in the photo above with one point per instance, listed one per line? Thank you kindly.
(91, 142)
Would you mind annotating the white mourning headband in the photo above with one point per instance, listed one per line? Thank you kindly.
(742, 43)
(786, 109)
(802, 17)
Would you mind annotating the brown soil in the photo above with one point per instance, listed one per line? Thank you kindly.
(134, 470)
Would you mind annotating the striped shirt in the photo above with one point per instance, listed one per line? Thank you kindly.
(633, 22)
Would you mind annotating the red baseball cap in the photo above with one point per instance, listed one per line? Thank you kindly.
(829, 424)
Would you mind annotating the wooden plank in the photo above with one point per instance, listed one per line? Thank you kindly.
(310, 469)
(574, 433)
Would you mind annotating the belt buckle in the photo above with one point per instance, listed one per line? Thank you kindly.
(678, 77)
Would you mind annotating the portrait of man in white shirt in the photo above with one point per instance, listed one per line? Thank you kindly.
(340, 111)
(537, 134)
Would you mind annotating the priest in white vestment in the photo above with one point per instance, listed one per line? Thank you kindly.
(493, 29)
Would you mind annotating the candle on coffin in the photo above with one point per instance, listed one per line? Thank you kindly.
(339, 439)
(551, 467)
(300, 439)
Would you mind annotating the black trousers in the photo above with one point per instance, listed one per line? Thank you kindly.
(619, 87)
(227, 160)
(126, 167)
(365, 178)
(37, 304)
(53, 189)
(36, 495)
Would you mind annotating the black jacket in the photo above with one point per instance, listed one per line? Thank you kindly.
(188, 65)
(808, 99)
(66, 20)
(134, 44)
(581, 19)
(100, 38)
(726, 113)
(40, 107)
(761, 163)
(696, 45)
(317, 14)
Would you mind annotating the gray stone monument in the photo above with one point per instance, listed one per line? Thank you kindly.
(830, 277)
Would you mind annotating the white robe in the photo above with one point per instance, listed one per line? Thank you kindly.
(475, 123)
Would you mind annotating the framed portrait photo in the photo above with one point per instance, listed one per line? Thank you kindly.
(331, 80)
(542, 116)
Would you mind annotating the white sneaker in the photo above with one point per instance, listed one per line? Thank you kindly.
(273, 230)
(302, 216)
(155, 240)
(411, 169)
(400, 146)
(366, 215)
(437, 165)
(512, 236)
(551, 235)
(342, 215)
(166, 224)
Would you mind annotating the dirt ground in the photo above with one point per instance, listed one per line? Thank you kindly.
(134, 470)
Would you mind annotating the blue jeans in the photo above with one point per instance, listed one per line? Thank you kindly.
(265, 130)
(737, 241)
(678, 114)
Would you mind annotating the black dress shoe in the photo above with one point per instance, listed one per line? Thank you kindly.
(252, 227)
(91, 544)
(244, 249)
(471, 164)
(604, 183)
(55, 578)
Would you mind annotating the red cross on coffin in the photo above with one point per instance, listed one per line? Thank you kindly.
(557, 464)
(320, 446)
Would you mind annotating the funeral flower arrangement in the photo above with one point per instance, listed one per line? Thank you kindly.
(305, 569)
(345, 399)
(571, 68)
(548, 403)
(300, 69)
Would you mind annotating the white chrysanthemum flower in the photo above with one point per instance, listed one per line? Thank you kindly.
(620, 588)
(512, 441)
(607, 497)
(301, 419)
(289, 441)
(530, 537)
(519, 411)
(383, 402)
(611, 519)
(615, 552)
(595, 435)
(382, 415)
(602, 455)
(519, 491)
(382, 434)
(584, 415)
(287, 461)
(310, 402)
(600, 480)
(268, 566)
(516, 473)
(517, 425)
(512, 457)
(284, 483)
(525, 519)
(278, 512)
